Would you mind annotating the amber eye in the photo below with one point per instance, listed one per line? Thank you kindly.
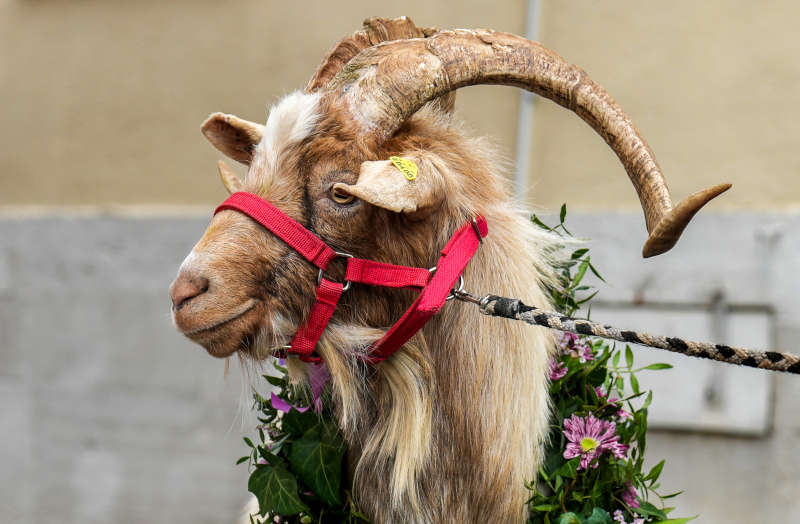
(341, 197)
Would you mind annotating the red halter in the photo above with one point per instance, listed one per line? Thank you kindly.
(436, 284)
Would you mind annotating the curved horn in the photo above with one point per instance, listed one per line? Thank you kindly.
(387, 83)
(375, 31)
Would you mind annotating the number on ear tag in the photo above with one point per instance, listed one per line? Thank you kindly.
(406, 166)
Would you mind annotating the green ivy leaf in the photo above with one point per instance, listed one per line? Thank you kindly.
(569, 469)
(597, 376)
(599, 516)
(276, 491)
(569, 518)
(242, 459)
(317, 458)
(563, 214)
(297, 424)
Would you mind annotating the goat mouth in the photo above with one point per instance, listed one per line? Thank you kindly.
(208, 328)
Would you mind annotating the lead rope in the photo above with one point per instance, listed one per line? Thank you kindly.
(495, 306)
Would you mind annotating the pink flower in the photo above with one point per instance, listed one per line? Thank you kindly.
(572, 344)
(557, 369)
(621, 413)
(590, 437)
(621, 519)
(319, 377)
(629, 496)
(584, 352)
(567, 341)
(281, 405)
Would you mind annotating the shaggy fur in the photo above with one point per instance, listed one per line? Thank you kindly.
(451, 426)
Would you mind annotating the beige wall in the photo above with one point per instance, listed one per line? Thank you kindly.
(102, 100)
(713, 86)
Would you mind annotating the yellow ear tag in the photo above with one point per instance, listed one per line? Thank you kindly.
(406, 166)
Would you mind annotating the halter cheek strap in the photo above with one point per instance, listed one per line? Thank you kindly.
(436, 284)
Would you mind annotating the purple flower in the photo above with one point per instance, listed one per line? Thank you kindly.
(629, 496)
(618, 516)
(281, 405)
(572, 344)
(319, 377)
(621, 413)
(567, 341)
(584, 352)
(590, 437)
(557, 369)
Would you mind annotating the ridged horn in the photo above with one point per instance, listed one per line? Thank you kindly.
(375, 31)
(387, 83)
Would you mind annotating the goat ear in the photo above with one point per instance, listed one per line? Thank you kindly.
(235, 137)
(229, 179)
(382, 184)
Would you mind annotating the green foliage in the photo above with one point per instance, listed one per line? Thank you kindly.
(297, 469)
(297, 462)
(588, 378)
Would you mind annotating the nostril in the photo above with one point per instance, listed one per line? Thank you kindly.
(185, 288)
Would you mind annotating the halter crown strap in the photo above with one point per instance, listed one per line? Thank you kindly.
(436, 284)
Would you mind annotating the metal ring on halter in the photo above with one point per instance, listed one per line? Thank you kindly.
(458, 289)
(346, 283)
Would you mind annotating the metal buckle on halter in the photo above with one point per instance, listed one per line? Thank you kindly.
(456, 290)
(346, 283)
(477, 230)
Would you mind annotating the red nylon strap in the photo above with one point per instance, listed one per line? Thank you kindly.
(306, 338)
(387, 275)
(455, 256)
(310, 246)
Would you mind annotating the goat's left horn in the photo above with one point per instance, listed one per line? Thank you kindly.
(387, 83)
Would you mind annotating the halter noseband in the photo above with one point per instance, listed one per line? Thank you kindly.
(436, 283)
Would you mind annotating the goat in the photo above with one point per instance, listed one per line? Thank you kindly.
(450, 427)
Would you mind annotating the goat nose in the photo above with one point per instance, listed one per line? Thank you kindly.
(186, 287)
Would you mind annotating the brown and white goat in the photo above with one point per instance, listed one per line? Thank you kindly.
(450, 427)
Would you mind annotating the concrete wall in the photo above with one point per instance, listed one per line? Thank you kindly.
(106, 413)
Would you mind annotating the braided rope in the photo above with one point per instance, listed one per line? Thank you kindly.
(496, 306)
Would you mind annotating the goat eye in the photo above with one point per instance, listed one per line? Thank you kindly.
(340, 197)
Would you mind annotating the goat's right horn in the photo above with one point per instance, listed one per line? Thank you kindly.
(387, 83)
